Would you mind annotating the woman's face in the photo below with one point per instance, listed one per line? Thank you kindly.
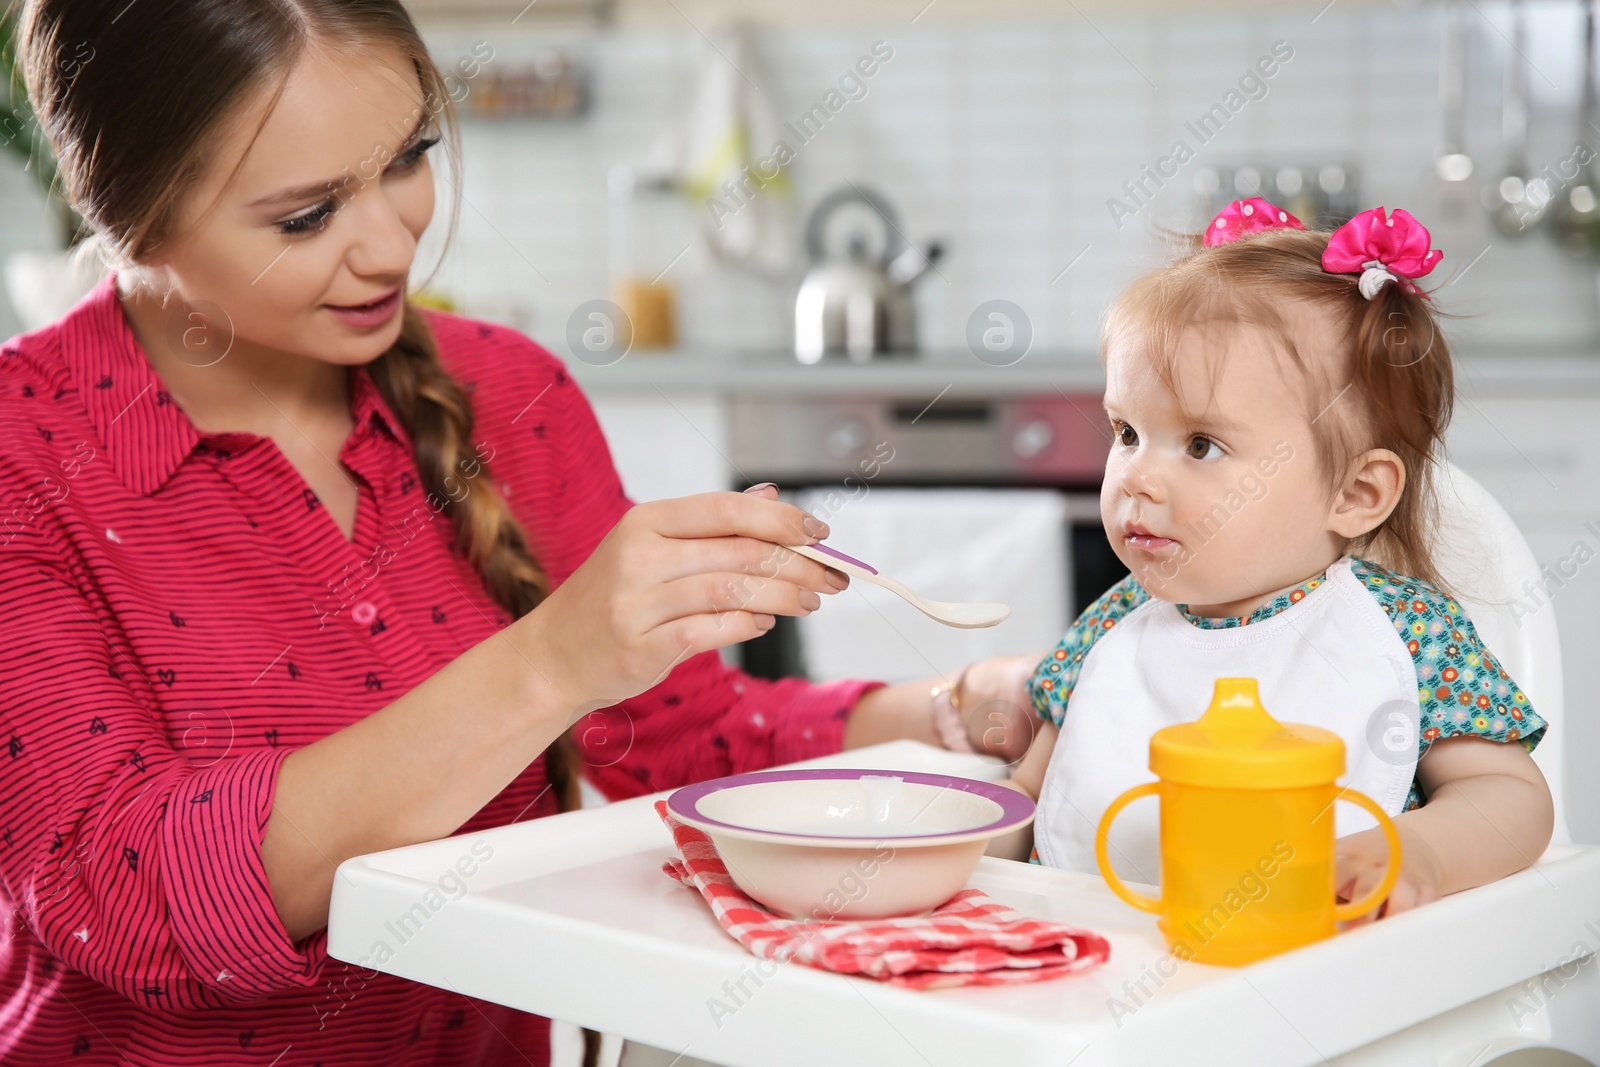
(324, 211)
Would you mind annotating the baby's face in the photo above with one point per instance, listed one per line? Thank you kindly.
(1213, 496)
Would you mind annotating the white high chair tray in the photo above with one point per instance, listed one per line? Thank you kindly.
(571, 917)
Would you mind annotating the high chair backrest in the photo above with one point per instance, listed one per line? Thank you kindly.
(1487, 563)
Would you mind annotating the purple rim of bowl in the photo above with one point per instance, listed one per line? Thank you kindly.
(834, 552)
(684, 803)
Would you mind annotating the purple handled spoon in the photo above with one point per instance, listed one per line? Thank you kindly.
(961, 616)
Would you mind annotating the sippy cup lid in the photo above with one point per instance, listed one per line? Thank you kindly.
(1237, 745)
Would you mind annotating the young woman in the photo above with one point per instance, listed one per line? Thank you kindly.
(293, 571)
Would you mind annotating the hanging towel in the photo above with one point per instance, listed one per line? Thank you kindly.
(722, 156)
(1005, 545)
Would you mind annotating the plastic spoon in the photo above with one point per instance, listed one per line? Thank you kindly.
(961, 616)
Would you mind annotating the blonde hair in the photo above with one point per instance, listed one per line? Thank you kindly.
(1386, 366)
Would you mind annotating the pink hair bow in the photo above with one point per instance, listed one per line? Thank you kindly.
(1383, 249)
(1242, 217)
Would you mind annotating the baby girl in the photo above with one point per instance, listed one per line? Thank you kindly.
(1276, 401)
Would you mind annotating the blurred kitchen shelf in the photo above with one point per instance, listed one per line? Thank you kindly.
(779, 372)
(554, 85)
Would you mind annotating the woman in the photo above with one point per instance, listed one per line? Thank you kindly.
(267, 609)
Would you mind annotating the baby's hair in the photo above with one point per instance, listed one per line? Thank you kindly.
(1383, 380)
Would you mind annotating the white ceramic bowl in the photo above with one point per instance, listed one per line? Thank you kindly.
(850, 844)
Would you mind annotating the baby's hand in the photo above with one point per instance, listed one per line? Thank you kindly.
(1362, 860)
(998, 707)
(1028, 775)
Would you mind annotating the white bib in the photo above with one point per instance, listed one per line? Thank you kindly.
(1333, 660)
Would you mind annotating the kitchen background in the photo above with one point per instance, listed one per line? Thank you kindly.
(1006, 138)
(1021, 139)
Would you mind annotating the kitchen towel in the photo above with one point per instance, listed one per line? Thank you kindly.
(721, 155)
(968, 940)
(1005, 545)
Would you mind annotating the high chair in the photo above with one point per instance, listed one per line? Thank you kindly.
(1485, 559)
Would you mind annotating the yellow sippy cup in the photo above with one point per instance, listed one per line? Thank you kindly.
(1247, 841)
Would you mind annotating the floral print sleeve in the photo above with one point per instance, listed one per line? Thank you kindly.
(1056, 675)
(1462, 689)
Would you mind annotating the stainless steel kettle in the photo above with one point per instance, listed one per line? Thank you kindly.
(858, 304)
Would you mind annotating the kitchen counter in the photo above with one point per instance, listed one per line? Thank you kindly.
(1499, 371)
(776, 372)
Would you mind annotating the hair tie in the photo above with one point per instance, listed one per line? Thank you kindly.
(1243, 217)
(1383, 249)
(1374, 276)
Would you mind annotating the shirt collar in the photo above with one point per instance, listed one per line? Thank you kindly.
(1280, 603)
(367, 407)
(146, 434)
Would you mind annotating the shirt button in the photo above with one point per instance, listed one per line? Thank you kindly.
(364, 613)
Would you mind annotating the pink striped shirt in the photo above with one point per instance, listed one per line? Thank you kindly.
(180, 613)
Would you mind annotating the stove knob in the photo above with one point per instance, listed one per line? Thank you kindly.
(1032, 439)
(847, 438)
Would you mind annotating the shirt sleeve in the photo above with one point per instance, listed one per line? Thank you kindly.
(705, 719)
(1462, 689)
(1057, 674)
(131, 863)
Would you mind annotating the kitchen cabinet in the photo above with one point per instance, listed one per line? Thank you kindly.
(1539, 454)
(666, 443)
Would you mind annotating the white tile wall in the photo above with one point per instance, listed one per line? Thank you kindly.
(1006, 139)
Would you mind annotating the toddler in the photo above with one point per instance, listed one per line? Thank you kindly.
(1276, 402)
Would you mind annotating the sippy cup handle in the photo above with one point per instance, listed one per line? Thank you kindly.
(1101, 856)
(1380, 892)
(1341, 912)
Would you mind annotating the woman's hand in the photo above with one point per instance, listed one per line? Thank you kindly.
(672, 579)
(997, 706)
(1362, 860)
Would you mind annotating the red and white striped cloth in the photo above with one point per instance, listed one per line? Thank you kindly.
(970, 939)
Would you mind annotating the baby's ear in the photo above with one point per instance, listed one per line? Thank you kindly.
(1370, 492)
